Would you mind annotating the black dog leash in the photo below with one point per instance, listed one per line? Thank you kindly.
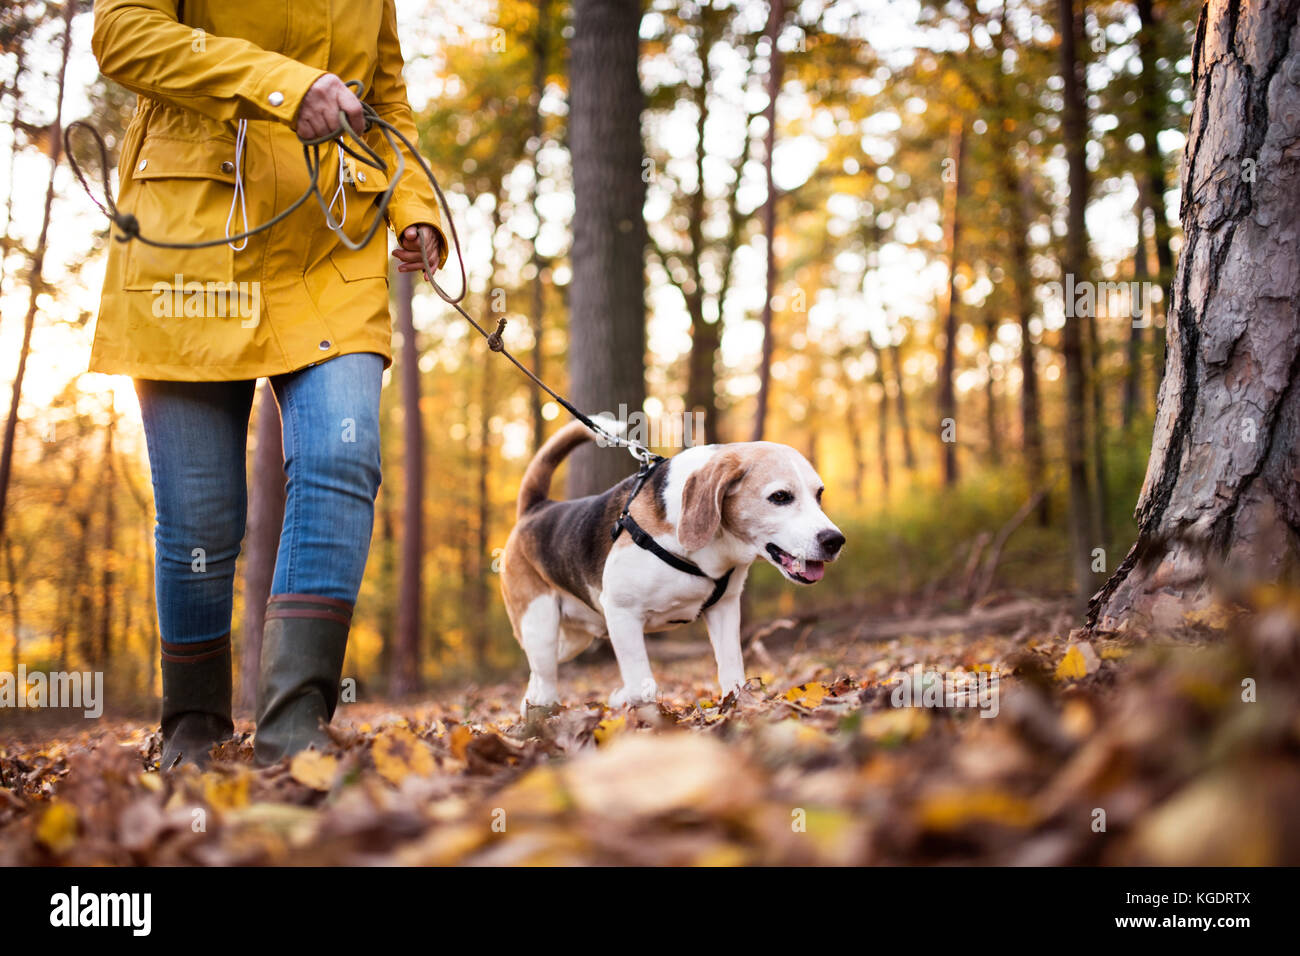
(129, 227)
(643, 539)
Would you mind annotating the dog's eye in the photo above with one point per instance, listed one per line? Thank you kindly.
(780, 497)
(819, 495)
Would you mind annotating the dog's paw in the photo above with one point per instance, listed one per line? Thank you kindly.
(648, 692)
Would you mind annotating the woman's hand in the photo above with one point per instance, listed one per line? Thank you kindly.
(319, 113)
(412, 238)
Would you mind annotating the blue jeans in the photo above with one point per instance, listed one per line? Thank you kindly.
(197, 434)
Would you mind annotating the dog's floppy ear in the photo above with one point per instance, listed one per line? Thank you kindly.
(702, 499)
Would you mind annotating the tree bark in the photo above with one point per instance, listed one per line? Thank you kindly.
(991, 425)
(607, 296)
(405, 676)
(1220, 499)
(261, 537)
(1072, 339)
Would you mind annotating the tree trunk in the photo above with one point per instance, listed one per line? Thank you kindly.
(1220, 493)
(541, 45)
(1072, 340)
(776, 16)
(900, 402)
(34, 274)
(107, 488)
(991, 424)
(948, 374)
(405, 676)
(1154, 97)
(882, 419)
(607, 294)
(261, 537)
(1134, 359)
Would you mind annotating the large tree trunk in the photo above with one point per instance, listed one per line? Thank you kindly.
(776, 16)
(1221, 484)
(1072, 340)
(405, 675)
(261, 537)
(948, 374)
(607, 295)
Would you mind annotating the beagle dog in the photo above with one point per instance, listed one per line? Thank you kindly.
(654, 552)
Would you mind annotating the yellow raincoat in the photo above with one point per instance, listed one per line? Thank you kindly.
(209, 74)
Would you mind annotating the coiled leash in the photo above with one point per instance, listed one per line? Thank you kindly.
(129, 227)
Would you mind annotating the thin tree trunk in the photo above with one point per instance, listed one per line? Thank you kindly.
(776, 17)
(1072, 338)
(948, 374)
(882, 419)
(1220, 501)
(1133, 372)
(34, 274)
(482, 563)
(541, 45)
(15, 610)
(261, 537)
(991, 424)
(900, 401)
(405, 676)
(107, 487)
(607, 294)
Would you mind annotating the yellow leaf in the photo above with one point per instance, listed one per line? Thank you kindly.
(226, 791)
(58, 827)
(808, 695)
(609, 728)
(950, 810)
(1073, 665)
(311, 768)
(896, 724)
(460, 738)
(399, 754)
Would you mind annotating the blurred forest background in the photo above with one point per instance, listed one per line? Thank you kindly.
(853, 214)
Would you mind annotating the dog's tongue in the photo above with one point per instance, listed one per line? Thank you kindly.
(813, 570)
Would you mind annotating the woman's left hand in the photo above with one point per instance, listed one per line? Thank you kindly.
(408, 252)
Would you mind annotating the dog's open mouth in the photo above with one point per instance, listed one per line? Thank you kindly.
(797, 569)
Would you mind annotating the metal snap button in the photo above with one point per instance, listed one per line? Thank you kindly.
(276, 98)
(361, 175)
(143, 164)
(324, 346)
(227, 167)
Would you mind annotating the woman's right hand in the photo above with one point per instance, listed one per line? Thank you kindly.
(319, 113)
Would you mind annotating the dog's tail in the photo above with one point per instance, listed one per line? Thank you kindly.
(536, 485)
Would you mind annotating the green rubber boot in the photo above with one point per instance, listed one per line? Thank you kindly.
(303, 643)
(196, 701)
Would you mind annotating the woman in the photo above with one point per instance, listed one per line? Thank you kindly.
(227, 91)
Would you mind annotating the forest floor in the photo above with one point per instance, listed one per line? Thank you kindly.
(1117, 749)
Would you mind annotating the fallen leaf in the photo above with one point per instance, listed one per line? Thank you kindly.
(399, 753)
(314, 769)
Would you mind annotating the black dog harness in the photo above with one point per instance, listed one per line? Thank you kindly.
(644, 539)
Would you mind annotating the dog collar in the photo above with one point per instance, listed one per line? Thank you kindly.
(643, 539)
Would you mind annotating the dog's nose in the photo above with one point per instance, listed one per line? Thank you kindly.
(831, 541)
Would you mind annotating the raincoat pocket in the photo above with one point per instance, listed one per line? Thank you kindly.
(365, 184)
(180, 191)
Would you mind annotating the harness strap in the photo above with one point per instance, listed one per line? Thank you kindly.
(643, 539)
